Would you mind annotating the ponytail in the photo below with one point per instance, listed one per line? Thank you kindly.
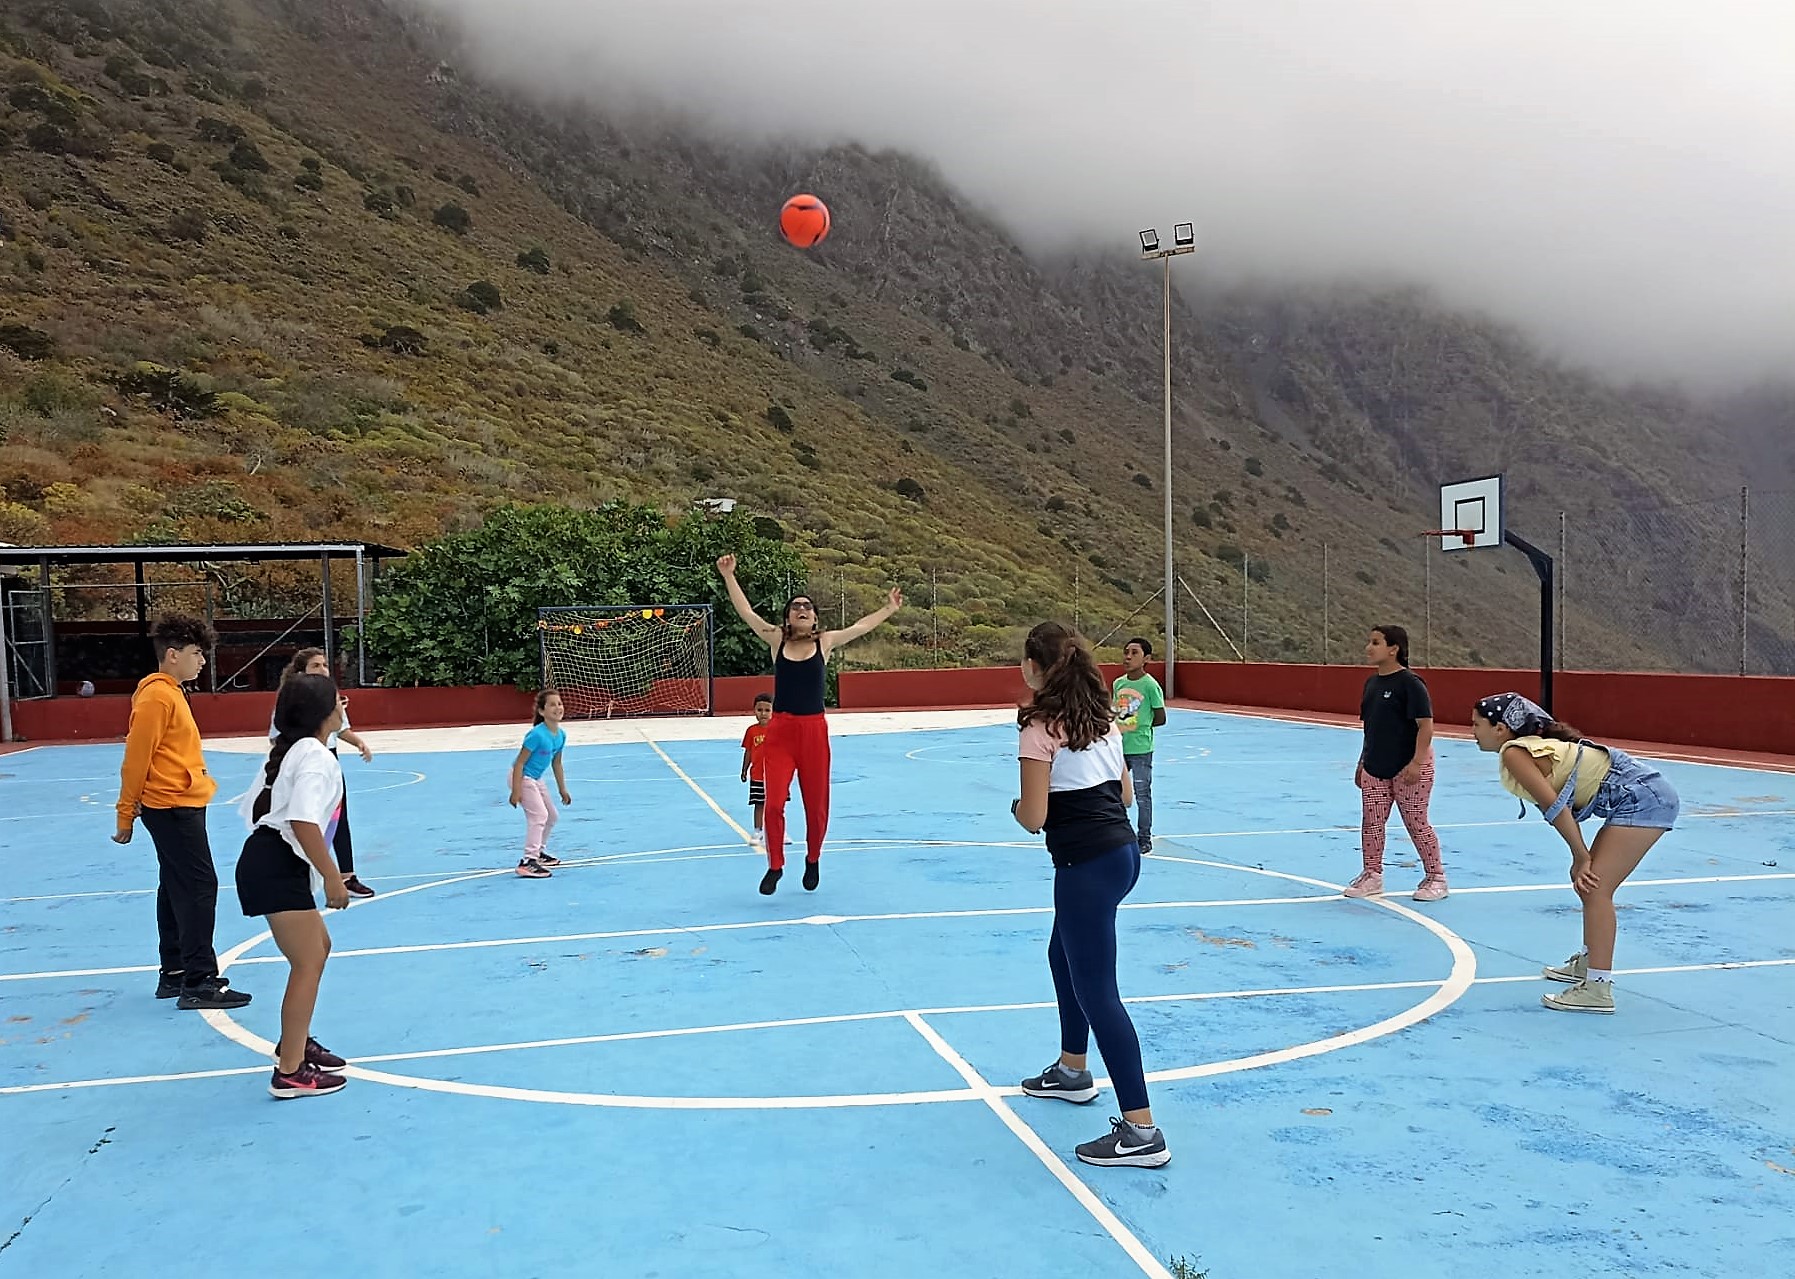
(303, 706)
(1072, 696)
(1558, 730)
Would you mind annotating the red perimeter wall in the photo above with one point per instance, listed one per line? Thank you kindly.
(246, 714)
(1748, 713)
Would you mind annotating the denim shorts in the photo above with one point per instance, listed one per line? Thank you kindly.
(1635, 794)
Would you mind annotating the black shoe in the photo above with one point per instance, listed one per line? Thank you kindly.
(813, 875)
(1067, 1085)
(214, 993)
(316, 1054)
(770, 881)
(168, 985)
(356, 887)
(1123, 1149)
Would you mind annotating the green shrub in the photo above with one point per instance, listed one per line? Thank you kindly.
(26, 342)
(452, 217)
(185, 395)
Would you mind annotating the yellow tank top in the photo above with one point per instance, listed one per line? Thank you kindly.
(1589, 773)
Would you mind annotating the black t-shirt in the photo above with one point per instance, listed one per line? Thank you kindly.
(1391, 705)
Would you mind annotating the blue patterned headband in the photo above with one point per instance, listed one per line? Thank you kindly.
(1516, 711)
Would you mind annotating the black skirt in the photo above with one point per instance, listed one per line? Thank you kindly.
(270, 876)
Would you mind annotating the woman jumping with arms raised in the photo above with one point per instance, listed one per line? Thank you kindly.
(798, 736)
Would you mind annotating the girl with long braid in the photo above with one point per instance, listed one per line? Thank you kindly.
(292, 812)
(1571, 779)
(797, 742)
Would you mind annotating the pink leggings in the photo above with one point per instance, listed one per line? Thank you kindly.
(540, 814)
(1377, 798)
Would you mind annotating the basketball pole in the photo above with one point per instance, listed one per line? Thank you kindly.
(1547, 570)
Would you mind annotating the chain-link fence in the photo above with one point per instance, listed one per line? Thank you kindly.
(1704, 586)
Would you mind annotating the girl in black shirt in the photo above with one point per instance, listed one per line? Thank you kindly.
(1396, 766)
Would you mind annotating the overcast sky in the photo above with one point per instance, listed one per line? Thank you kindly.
(1617, 176)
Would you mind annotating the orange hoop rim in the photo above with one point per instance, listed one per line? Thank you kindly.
(1465, 535)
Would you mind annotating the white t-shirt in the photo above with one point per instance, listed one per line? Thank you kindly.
(309, 788)
(331, 744)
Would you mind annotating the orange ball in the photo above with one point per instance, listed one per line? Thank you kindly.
(804, 221)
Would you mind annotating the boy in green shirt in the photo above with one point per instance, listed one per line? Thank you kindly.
(1140, 706)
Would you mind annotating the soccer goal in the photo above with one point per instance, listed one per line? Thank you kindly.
(614, 661)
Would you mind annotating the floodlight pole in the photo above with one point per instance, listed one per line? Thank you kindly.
(1547, 570)
(1171, 595)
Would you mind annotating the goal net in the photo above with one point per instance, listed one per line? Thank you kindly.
(610, 661)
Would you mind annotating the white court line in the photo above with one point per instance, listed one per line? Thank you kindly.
(106, 806)
(829, 1019)
(1631, 883)
(832, 920)
(1457, 734)
(715, 807)
(870, 845)
(1464, 967)
(1112, 1224)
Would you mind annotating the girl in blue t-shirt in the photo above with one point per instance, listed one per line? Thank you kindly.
(542, 747)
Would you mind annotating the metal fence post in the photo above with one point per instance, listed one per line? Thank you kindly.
(1246, 562)
(1563, 563)
(1744, 571)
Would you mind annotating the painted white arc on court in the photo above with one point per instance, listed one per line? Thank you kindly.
(1452, 988)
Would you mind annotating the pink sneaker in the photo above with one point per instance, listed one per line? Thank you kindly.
(1369, 884)
(1431, 889)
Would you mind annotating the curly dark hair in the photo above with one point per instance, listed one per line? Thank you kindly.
(177, 630)
(1072, 696)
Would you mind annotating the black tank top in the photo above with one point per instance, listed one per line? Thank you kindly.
(798, 686)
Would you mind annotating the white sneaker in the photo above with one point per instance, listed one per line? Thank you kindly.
(1572, 971)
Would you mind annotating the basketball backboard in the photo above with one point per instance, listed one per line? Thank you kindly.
(1475, 506)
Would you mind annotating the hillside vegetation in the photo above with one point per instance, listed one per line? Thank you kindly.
(285, 270)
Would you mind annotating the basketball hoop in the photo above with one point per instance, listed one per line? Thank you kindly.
(1465, 535)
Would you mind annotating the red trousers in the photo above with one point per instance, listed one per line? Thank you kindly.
(796, 745)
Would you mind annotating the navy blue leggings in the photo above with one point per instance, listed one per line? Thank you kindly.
(1082, 954)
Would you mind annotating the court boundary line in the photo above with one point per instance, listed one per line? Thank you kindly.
(1033, 1142)
(827, 920)
(824, 1019)
(703, 794)
(872, 844)
(1648, 750)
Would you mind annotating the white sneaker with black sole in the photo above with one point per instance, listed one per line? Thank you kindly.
(1126, 1148)
(1067, 1085)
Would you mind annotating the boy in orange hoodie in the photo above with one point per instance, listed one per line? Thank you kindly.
(164, 781)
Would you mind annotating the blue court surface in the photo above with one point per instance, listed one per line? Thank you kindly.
(641, 1067)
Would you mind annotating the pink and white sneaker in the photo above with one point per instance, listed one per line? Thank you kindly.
(1370, 883)
(1431, 889)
